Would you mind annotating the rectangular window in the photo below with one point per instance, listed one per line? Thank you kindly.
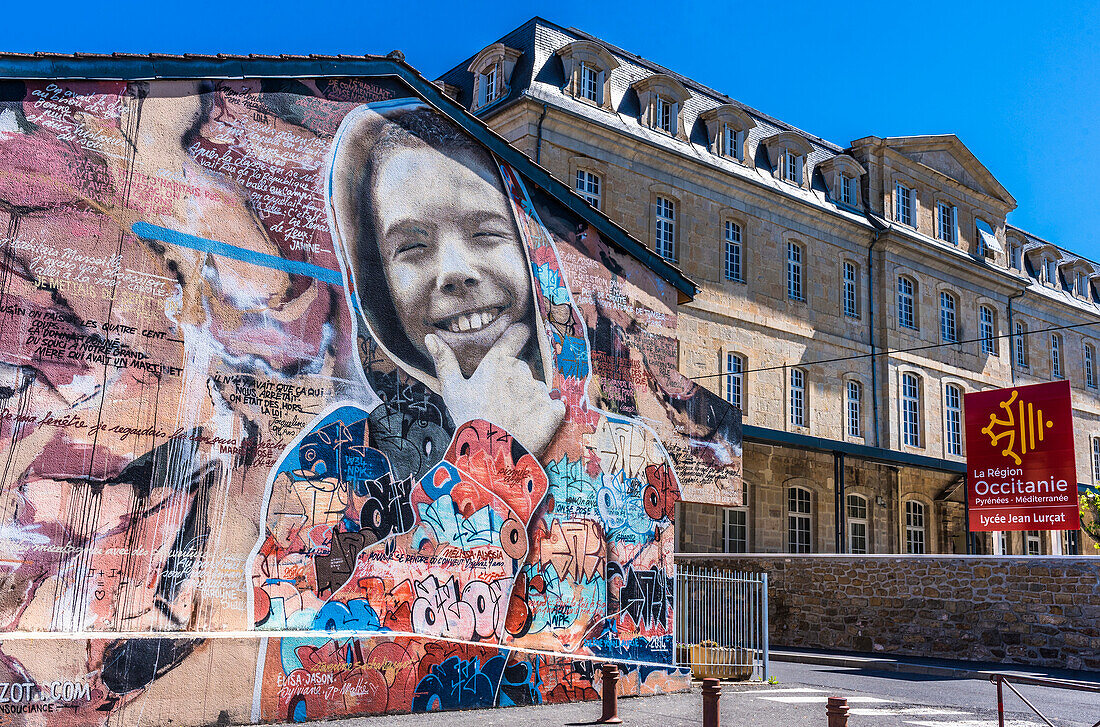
(733, 257)
(1056, 356)
(588, 186)
(1021, 345)
(666, 115)
(1033, 542)
(987, 330)
(798, 520)
(857, 525)
(590, 83)
(851, 290)
(952, 406)
(1050, 271)
(854, 408)
(1014, 257)
(794, 271)
(488, 85)
(903, 205)
(949, 330)
(907, 316)
(666, 228)
(735, 380)
(1096, 460)
(736, 530)
(798, 398)
(846, 189)
(910, 410)
(731, 141)
(1090, 366)
(790, 166)
(945, 223)
(914, 527)
(1069, 543)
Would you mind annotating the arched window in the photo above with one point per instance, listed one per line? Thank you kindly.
(910, 410)
(952, 408)
(914, 527)
(907, 302)
(799, 513)
(949, 326)
(798, 398)
(857, 524)
(735, 380)
(853, 392)
(987, 329)
(734, 259)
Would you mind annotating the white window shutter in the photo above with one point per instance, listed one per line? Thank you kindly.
(600, 80)
(955, 223)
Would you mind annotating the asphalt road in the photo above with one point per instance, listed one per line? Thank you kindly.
(877, 699)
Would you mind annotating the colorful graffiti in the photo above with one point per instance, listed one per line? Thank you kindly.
(304, 359)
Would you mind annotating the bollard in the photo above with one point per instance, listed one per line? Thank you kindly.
(712, 690)
(610, 689)
(837, 710)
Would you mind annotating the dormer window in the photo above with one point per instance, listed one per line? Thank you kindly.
(845, 184)
(727, 128)
(1050, 271)
(1015, 259)
(588, 66)
(666, 114)
(488, 88)
(661, 98)
(590, 82)
(842, 174)
(492, 69)
(790, 166)
(731, 142)
(787, 151)
(1082, 284)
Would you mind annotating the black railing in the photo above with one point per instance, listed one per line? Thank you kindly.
(1002, 680)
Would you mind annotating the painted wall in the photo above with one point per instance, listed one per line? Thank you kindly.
(311, 407)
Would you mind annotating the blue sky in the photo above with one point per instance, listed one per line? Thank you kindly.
(1018, 82)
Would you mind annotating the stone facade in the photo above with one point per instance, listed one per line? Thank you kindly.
(839, 213)
(1038, 611)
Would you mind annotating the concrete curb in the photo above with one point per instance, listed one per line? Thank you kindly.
(887, 664)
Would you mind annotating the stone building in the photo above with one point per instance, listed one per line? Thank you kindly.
(824, 269)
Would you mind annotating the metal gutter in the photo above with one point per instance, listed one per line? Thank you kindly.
(779, 438)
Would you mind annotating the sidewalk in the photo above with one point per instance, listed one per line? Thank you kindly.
(946, 668)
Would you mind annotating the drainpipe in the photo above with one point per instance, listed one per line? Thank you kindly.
(871, 332)
(1012, 336)
(538, 138)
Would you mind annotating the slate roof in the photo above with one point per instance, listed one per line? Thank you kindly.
(540, 76)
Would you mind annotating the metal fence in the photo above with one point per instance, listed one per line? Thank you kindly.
(722, 622)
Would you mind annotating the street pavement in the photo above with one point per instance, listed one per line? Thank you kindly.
(876, 698)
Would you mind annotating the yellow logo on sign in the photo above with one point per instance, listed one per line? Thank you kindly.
(1029, 426)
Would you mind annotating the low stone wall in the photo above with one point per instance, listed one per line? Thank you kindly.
(1036, 611)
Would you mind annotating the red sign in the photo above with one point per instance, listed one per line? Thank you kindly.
(1020, 469)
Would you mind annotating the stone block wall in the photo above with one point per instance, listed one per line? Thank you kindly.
(1037, 611)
